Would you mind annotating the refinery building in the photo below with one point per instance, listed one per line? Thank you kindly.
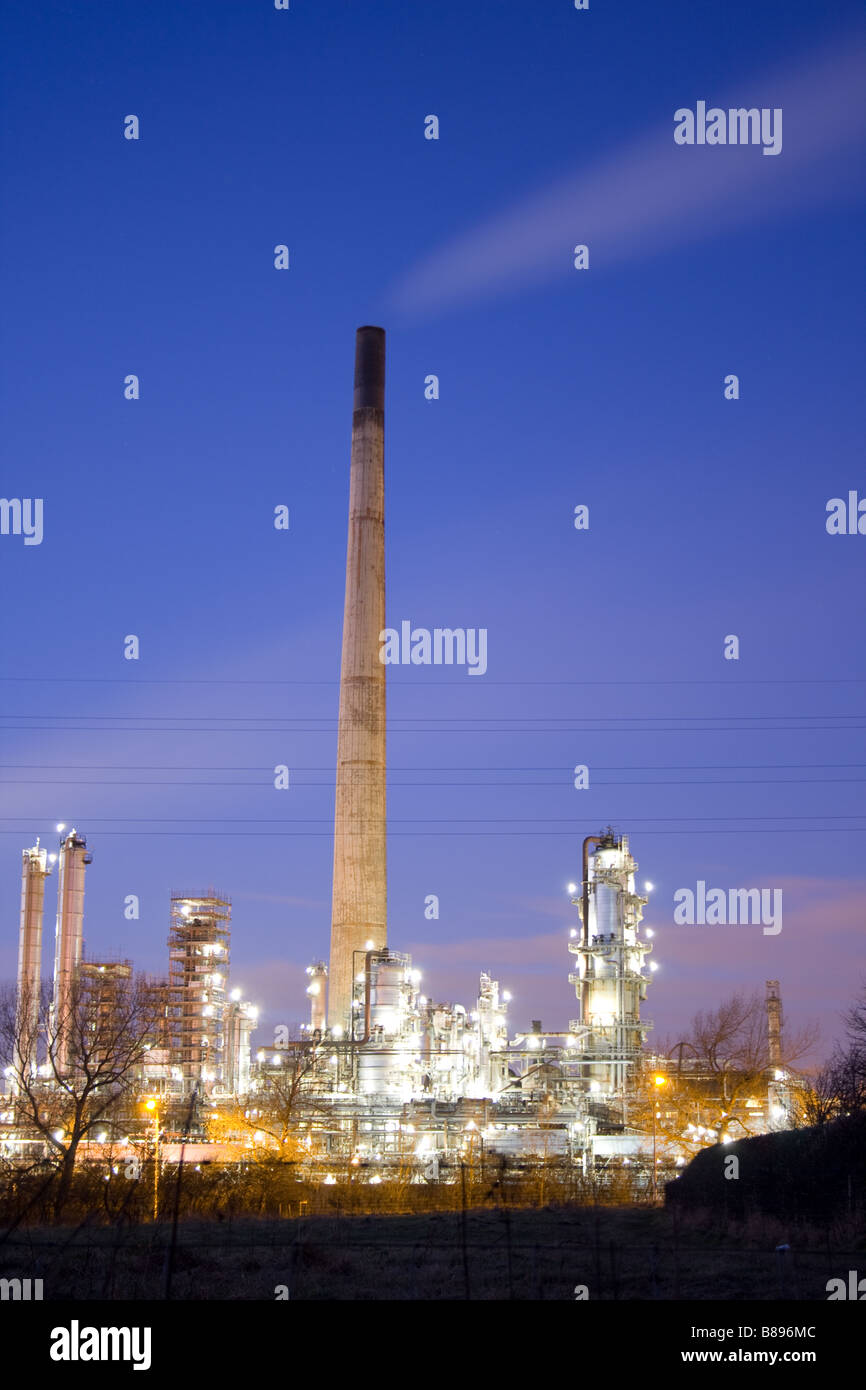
(387, 1070)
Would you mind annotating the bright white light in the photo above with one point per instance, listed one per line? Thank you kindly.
(58, 1133)
(337, 1031)
(648, 887)
(572, 888)
(52, 858)
(416, 977)
(359, 979)
(422, 1001)
(330, 1180)
(368, 946)
(235, 995)
(777, 1112)
(573, 932)
(654, 965)
(276, 1059)
(506, 995)
(314, 988)
(648, 931)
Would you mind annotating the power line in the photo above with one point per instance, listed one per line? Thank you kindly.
(669, 729)
(440, 820)
(398, 786)
(439, 718)
(639, 767)
(334, 682)
(462, 834)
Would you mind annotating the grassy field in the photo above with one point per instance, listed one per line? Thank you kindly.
(616, 1252)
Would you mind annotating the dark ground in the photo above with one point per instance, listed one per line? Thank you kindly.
(617, 1252)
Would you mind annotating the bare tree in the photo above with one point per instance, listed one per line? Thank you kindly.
(69, 1073)
(840, 1086)
(727, 1065)
(854, 1019)
(280, 1102)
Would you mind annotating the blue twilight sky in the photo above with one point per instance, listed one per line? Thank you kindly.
(558, 387)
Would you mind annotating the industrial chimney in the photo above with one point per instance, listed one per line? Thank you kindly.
(69, 940)
(35, 870)
(358, 914)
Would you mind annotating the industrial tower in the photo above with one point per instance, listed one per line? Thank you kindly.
(69, 940)
(610, 982)
(359, 907)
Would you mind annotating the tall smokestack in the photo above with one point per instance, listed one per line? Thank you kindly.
(34, 872)
(69, 940)
(358, 914)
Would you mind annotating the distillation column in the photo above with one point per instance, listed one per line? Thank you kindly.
(34, 871)
(610, 982)
(69, 939)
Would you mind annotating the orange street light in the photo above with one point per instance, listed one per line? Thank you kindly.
(659, 1081)
(151, 1105)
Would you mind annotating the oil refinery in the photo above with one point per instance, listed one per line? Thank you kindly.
(382, 1070)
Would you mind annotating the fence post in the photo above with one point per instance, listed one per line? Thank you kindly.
(468, 1293)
